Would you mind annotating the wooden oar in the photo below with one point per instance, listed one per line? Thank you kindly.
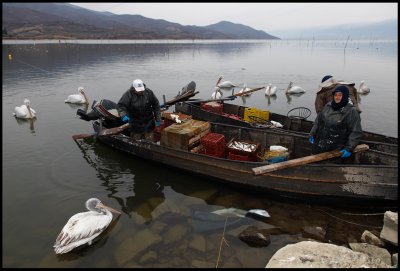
(104, 132)
(178, 99)
(304, 160)
(246, 92)
(211, 100)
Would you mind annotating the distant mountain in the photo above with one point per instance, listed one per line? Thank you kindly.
(61, 20)
(239, 31)
(380, 30)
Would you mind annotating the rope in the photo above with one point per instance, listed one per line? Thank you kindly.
(349, 222)
(220, 245)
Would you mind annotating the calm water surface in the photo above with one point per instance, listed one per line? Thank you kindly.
(47, 176)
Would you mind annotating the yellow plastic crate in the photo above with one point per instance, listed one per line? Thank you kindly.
(259, 115)
(264, 114)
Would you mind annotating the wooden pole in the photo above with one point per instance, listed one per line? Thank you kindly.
(304, 160)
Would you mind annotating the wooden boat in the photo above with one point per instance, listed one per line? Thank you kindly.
(367, 179)
(295, 124)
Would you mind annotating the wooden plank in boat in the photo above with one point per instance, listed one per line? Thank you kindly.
(304, 160)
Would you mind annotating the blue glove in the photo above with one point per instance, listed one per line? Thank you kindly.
(311, 139)
(158, 123)
(125, 118)
(345, 153)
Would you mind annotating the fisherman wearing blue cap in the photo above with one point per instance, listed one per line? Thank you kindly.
(337, 126)
(328, 84)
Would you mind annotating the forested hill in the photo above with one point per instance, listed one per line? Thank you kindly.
(66, 21)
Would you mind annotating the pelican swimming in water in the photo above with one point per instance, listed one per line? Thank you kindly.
(294, 89)
(270, 90)
(245, 89)
(363, 89)
(82, 228)
(226, 84)
(217, 94)
(24, 111)
(80, 98)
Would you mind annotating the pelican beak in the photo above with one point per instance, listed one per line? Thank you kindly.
(100, 205)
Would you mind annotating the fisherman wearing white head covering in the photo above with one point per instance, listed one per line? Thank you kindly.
(141, 108)
(328, 84)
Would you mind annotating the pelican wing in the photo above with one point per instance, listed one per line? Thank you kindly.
(75, 98)
(21, 111)
(296, 89)
(227, 84)
(80, 229)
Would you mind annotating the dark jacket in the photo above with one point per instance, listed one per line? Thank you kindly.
(336, 129)
(142, 109)
(325, 95)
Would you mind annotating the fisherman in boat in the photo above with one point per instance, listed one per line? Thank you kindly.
(324, 92)
(141, 108)
(337, 126)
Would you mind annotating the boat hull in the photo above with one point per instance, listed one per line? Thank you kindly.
(365, 186)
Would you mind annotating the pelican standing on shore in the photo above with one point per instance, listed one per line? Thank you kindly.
(84, 227)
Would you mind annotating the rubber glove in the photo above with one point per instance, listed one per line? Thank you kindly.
(345, 153)
(311, 139)
(157, 123)
(125, 118)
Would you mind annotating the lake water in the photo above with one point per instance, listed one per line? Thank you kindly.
(47, 177)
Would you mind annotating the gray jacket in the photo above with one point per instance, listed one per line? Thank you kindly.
(142, 109)
(336, 129)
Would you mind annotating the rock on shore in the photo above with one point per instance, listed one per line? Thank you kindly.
(311, 254)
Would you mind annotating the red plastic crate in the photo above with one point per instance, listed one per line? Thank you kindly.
(213, 107)
(213, 144)
(232, 116)
(238, 157)
(252, 155)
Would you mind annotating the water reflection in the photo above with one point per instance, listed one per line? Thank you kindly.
(30, 122)
(58, 57)
(269, 98)
(135, 185)
(144, 193)
(289, 96)
(84, 107)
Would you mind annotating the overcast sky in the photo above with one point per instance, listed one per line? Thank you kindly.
(269, 17)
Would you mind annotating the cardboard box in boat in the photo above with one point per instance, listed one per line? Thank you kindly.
(171, 118)
(184, 135)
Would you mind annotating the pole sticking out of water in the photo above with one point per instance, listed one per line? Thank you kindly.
(346, 42)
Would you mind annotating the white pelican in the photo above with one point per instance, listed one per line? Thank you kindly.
(363, 89)
(244, 89)
(294, 89)
(217, 94)
(270, 90)
(82, 228)
(80, 98)
(24, 111)
(225, 84)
